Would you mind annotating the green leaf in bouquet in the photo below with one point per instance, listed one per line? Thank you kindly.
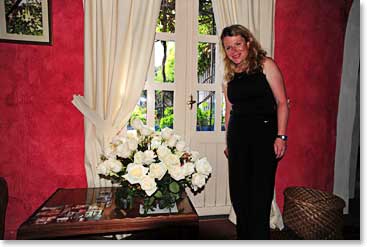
(174, 187)
(163, 204)
(177, 196)
(166, 200)
(151, 200)
(158, 194)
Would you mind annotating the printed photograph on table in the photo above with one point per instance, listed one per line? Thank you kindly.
(25, 21)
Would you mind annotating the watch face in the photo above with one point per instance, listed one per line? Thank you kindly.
(283, 137)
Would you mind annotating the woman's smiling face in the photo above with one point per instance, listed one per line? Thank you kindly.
(236, 48)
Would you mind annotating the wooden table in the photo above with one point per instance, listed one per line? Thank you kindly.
(110, 222)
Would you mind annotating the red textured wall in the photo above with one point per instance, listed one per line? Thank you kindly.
(42, 139)
(42, 144)
(309, 41)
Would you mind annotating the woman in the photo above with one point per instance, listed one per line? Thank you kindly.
(256, 121)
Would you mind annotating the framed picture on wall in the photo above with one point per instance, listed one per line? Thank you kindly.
(25, 21)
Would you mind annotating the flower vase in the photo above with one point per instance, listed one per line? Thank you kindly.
(125, 203)
(123, 199)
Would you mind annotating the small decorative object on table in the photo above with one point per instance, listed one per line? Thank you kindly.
(153, 166)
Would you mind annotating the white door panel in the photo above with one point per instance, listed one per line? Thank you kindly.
(214, 199)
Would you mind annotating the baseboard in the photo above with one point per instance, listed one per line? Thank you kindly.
(214, 217)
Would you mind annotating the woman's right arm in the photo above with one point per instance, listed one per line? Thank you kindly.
(227, 113)
(228, 107)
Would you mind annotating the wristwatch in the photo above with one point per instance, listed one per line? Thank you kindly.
(283, 137)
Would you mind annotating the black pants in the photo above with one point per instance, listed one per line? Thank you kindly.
(252, 167)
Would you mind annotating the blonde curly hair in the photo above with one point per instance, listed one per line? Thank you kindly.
(255, 56)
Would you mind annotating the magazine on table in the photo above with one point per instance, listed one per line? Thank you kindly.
(74, 213)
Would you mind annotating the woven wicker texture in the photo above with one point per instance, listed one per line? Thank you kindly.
(313, 214)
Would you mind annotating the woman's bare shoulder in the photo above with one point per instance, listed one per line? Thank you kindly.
(269, 65)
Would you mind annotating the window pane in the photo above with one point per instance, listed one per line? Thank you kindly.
(140, 110)
(166, 19)
(164, 61)
(206, 63)
(205, 111)
(163, 109)
(206, 18)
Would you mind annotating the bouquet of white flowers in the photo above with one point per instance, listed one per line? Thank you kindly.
(154, 166)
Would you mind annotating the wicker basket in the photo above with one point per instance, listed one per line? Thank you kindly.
(313, 214)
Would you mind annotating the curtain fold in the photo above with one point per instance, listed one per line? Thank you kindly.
(258, 17)
(118, 43)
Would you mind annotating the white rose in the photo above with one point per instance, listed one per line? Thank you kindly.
(198, 181)
(139, 157)
(148, 185)
(156, 142)
(103, 168)
(189, 168)
(194, 156)
(166, 133)
(110, 151)
(137, 124)
(157, 170)
(132, 134)
(118, 139)
(176, 172)
(163, 151)
(123, 150)
(110, 165)
(180, 146)
(115, 165)
(172, 141)
(149, 157)
(172, 160)
(178, 153)
(135, 173)
(146, 131)
(203, 167)
(132, 143)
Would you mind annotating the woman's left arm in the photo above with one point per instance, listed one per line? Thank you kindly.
(276, 82)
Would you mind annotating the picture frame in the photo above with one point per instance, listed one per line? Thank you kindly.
(26, 21)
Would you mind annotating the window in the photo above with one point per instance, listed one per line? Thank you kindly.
(168, 84)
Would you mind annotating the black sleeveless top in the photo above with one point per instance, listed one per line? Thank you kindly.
(251, 95)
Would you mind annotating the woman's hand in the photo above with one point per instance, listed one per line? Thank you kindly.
(280, 146)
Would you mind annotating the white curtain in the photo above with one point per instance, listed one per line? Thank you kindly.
(258, 17)
(118, 43)
(348, 121)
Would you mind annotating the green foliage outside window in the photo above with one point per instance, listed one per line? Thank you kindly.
(206, 18)
(141, 113)
(204, 57)
(203, 116)
(166, 18)
(169, 68)
(167, 119)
